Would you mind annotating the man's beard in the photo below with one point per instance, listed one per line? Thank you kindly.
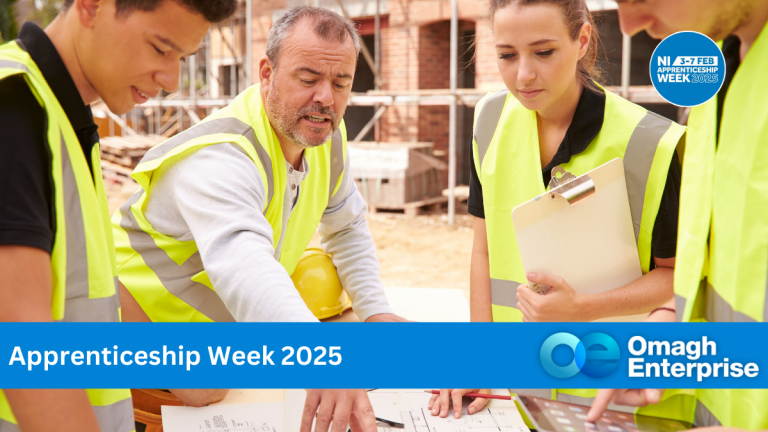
(730, 20)
(287, 123)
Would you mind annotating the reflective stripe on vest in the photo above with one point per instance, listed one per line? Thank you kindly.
(680, 302)
(177, 279)
(704, 417)
(235, 126)
(84, 285)
(229, 125)
(488, 121)
(13, 65)
(167, 277)
(117, 417)
(638, 160)
(722, 262)
(721, 269)
(644, 140)
(337, 162)
(78, 306)
(695, 212)
(719, 310)
(738, 259)
(6, 426)
(513, 148)
(504, 292)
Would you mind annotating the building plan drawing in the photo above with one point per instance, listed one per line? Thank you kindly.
(412, 405)
(251, 417)
(410, 408)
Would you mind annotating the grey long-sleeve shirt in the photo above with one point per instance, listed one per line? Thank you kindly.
(215, 196)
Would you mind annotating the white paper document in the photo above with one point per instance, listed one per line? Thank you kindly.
(261, 417)
(498, 415)
(591, 245)
(410, 408)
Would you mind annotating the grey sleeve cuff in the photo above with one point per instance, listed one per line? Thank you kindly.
(344, 233)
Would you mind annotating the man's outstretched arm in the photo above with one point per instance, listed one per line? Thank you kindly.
(344, 234)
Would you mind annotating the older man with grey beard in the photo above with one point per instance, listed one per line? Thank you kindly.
(227, 207)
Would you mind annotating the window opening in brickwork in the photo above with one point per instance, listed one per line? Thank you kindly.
(357, 116)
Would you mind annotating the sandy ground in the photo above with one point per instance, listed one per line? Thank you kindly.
(117, 195)
(423, 252)
(420, 252)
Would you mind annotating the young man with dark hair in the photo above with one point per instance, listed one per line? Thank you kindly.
(56, 250)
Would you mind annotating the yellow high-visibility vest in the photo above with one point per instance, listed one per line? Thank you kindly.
(508, 166)
(506, 154)
(721, 272)
(83, 274)
(166, 276)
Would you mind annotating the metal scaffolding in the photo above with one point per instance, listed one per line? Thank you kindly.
(212, 80)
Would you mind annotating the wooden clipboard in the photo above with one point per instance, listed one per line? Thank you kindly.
(581, 230)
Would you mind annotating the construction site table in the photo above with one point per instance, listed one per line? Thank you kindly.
(416, 304)
(421, 305)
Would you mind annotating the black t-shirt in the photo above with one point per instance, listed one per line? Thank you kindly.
(586, 124)
(27, 213)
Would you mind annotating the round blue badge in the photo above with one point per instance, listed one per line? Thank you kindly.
(687, 69)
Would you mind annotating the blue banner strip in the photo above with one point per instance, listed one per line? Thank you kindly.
(392, 355)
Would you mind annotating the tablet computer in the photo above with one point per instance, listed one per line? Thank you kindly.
(555, 416)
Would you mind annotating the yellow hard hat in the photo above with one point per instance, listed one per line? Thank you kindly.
(318, 283)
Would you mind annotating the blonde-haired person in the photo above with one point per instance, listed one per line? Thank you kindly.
(724, 194)
(553, 113)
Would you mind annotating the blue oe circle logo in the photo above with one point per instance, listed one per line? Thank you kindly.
(687, 69)
(594, 363)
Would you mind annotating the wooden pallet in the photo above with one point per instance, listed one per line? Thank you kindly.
(115, 173)
(120, 155)
(127, 151)
(410, 209)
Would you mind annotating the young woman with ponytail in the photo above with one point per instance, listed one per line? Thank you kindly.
(555, 113)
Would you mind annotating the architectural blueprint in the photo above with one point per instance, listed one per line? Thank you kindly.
(410, 408)
(254, 417)
(412, 405)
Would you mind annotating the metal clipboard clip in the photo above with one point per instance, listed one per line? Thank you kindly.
(575, 190)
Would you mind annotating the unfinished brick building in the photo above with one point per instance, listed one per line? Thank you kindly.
(414, 63)
(415, 57)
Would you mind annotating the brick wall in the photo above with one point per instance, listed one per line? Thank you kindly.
(486, 69)
(415, 54)
(262, 22)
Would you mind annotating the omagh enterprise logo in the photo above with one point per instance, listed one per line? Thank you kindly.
(596, 355)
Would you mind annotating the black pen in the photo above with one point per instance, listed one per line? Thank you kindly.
(390, 423)
(394, 424)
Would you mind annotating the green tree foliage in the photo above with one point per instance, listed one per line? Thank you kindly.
(47, 10)
(8, 26)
